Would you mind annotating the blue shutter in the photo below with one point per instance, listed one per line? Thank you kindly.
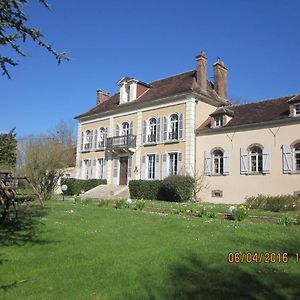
(131, 128)
(82, 140)
(244, 161)
(117, 130)
(115, 173)
(143, 167)
(96, 139)
(207, 163)
(129, 173)
(179, 163)
(287, 159)
(225, 163)
(164, 166)
(266, 160)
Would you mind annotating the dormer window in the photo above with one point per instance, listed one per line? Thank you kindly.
(218, 121)
(297, 109)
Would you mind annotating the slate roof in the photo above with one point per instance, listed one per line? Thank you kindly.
(255, 113)
(169, 86)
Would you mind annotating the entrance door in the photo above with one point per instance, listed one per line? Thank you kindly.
(123, 170)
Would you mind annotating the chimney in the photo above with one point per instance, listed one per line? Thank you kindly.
(102, 96)
(201, 71)
(220, 78)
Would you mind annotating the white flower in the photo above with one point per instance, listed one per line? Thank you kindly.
(128, 201)
(231, 209)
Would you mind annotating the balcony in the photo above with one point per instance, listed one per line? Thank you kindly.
(123, 142)
(173, 136)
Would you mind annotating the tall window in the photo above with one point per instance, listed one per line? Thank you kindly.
(100, 168)
(173, 163)
(297, 157)
(88, 140)
(173, 134)
(218, 162)
(151, 166)
(102, 137)
(125, 128)
(152, 130)
(256, 159)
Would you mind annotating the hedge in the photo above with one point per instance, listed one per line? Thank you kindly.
(173, 188)
(75, 186)
(144, 189)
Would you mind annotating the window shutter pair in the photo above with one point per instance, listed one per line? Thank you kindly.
(208, 163)
(143, 167)
(244, 161)
(157, 166)
(287, 159)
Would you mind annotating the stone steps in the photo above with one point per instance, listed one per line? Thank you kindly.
(107, 191)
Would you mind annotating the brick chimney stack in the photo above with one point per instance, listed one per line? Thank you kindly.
(220, 78)
(201, 71)
(102, 96)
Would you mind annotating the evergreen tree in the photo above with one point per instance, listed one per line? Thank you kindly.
(8, 150)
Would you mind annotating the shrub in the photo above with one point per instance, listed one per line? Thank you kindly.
(285, 221)
(274, 203)
(144, 189)
(177, 188)
(239, 213)
(140, 204)
(75, 186)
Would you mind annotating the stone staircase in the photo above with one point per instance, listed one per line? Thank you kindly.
(107, 191)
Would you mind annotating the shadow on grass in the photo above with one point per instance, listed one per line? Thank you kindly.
(25, 229)
(191, 278)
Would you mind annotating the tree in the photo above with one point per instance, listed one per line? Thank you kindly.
(8, 150)
(199, 184)
(45, 159)
(13, 30)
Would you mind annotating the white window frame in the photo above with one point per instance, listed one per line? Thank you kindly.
(297, 109)
(296, 152)
(151, 169)
(219, 121)
(174, 170)
(87, 139)
(218, 162)
(101, 138)
(173, 132)
(256, 158)
(151, 130)
(125, 130)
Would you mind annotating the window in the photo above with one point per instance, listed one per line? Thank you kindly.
(173, 163)
(218, 121)
(297, 157)
(218, 162)
(152, 130)
(173, 132)
(100, 168)
(102, 138)
(256, 159)
(151, 166)
(88, 140)
(297, 109)
(125, 128)
(128, 92)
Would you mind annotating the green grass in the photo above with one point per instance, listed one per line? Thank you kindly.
(82, 251)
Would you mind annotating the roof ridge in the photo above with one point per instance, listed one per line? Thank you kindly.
(172, 76)
(264, 100)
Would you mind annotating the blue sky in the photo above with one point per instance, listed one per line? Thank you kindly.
(259, 42)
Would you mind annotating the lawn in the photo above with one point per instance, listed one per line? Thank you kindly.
(82, 251)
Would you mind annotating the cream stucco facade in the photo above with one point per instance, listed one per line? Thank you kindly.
(184, 125)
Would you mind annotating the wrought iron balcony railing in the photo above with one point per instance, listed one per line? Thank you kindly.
(123, 141)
